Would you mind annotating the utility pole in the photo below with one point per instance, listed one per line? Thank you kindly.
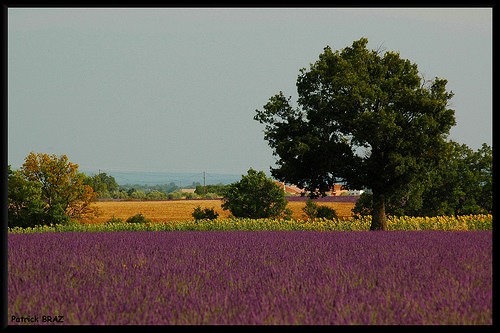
(204, 185)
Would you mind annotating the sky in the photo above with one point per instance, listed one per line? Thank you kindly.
(176, 89)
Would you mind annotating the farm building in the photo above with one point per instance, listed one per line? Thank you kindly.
(290, 189)
(294, 190)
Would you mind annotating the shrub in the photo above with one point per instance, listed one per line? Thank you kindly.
(312, 210)
(114, 220)
(326, 213)
(202, 214)
(138, 218)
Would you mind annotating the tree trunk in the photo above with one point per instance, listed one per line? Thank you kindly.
(379, 220)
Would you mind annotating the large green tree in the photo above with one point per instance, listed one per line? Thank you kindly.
(365, 118)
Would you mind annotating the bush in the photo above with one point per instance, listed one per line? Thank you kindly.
(326, 213)
(114, 220)
(312, 210)
(207, 213)
(138, 218)
(255, 196)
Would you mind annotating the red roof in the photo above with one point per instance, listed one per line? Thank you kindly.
(293, 189)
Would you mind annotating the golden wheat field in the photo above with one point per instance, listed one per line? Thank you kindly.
(177, 210)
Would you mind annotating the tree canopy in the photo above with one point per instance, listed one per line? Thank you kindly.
(61, 185)
(364, 118)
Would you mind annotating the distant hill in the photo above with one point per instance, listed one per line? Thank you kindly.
(160, 178)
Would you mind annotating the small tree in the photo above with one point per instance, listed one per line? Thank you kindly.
(310, 208)
(255, 196)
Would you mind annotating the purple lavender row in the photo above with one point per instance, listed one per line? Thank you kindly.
(262, 277)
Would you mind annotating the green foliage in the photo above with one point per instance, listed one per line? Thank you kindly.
(175, 195)
(47, 190)
(103, 184)
(25, 205)
(364, 118)
(463, 181)
(138, 218)
(255, 196)
(62, 187)
(202, 214)
(138, 195)
(312, 211)
(122, 194)
(114, 219)
(218, 189)
(461, 185)
(326, 213)
(156, 195)
(189, 195)
(363, 206)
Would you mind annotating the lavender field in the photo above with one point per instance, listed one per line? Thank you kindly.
(261, 277)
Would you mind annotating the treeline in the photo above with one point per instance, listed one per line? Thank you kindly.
(49, 190)
(107, 188)
(461, 185)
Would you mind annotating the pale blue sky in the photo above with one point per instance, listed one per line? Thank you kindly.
(172, 89)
